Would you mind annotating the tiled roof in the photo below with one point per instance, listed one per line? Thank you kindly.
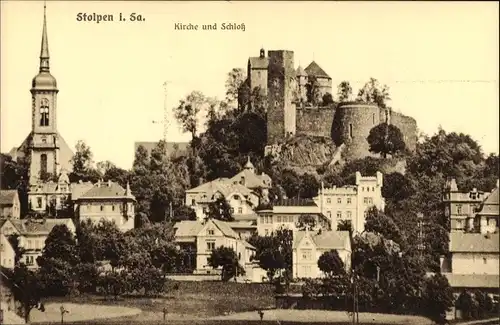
(245, 217)
(247, 244)
(296, 202)
(187, 228)
(174, 149)
(315, 70)
(104, 190)
(473, 280)
(37, 227)
(258, 63)
(474, 243)
(490, 204)
(241, 224)
(78, 189)
(7, 197)
(225, 228)
(324, 240)
(252, 180)
(224, 186)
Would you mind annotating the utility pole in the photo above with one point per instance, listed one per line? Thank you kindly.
(165, 122)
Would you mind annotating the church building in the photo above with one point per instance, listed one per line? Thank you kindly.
(48, 151)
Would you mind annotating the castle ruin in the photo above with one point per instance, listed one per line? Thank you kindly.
(290, 111)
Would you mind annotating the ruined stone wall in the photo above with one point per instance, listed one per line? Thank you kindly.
(408, 127)
(315, 121)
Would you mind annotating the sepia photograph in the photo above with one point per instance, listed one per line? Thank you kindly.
(249, 162)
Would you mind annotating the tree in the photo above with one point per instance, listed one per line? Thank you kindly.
(234, 80)
(189, 110)
(26, 289)
(313, 91)
(377, 222)
(14, 175)
(345, 225)
(373, 92)
(274, 253)
(61, 244)
(18, 250)
(306, 222)
(219, 210)
(397, 187)
(466, 304)
(438, 297)
(344, 92)
(226, 258)
(386, 139)
(327, 99)
(309, 186)
(83, 164)
(331, 264)
(183, 212)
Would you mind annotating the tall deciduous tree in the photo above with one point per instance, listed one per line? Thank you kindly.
(234, 80)
(344, 91)
(26, 289)
(226, 258)
(386, 139)
(438, 297)
(83, 168)
(306, 222)
(373, 92)
(331, 264)
(220, 209)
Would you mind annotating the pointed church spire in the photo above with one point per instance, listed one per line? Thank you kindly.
(44, 51)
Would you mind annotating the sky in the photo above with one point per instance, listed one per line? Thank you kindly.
(439, 59)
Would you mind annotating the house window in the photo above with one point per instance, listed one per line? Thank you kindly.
(339, 200)
(267, 232)
(278, 219)
(211, 232)
(328, 200)
(348, 200)
(350, 131)
(236, 197)
(373, 117)
(210, 246)
(242, 182)
(113, 208)
(459, 209)
(365, 200)
(39, 202)
(339, 214)
(29, 260)
(329, 214)
(373, 189)
(349, 215)
(362, 189)
(261, 219)
(368, 189)
(232, 210)
(306, 254)
(205, 209)
(240, 210)
(370, 200)
(193, 202)
(44, 140)
(485, 260)
(102, 207)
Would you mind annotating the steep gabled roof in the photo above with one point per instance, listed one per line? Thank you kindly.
(325, 239)
(258, 63)
(38, 227)
(105, 190)
(313, 69)
(490, 204)
(300, 72)
(187, 228)
(474, 243)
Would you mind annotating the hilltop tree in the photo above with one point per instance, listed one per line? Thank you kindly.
(189, 111)
(344, 91)
(386, 139)
(373, 92)
(313, 91)
(234, 80)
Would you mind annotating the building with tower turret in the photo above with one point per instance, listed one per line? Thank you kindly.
(295, 104)
(48, 152)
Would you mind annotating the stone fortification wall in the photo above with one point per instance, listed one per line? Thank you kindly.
(316, 121)
(351, 126)
(408, 127)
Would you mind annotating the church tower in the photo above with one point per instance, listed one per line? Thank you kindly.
(44, 141)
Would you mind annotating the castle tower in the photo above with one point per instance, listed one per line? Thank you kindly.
(301, 85)
(44, 144)
(281, 110)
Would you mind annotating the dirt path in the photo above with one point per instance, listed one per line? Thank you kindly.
(482, 321)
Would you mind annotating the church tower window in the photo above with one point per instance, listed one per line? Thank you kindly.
(43, 164)
(44, 112)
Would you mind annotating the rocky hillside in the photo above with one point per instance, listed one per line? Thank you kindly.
(306, 151)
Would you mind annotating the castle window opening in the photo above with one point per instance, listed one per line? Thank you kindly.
(102, 208)
(39, 202)
(350, 131)
(43, 164)
(373, 116)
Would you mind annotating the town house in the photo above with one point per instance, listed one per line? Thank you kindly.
(308, 247)
(10, 206)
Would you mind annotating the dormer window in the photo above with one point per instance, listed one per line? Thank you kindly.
(242, 181)
(210, 232)
(236, 197)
